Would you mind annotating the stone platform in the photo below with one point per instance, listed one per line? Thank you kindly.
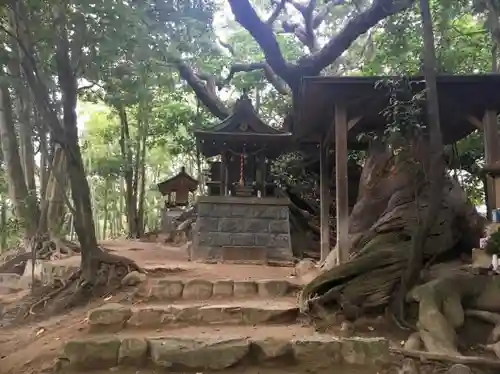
(242, 230)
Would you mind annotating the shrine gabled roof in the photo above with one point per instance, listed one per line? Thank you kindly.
(243, 130)
(461, 99)
(178, 182)
(244, 121)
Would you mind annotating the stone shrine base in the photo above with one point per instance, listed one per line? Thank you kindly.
(242, 230)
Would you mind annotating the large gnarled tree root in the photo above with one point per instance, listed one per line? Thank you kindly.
(365, 282)
(441, 308)
(110, 269)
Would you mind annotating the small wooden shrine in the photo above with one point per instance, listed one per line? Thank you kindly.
(177, 189)
(244, 145)
(242, 219)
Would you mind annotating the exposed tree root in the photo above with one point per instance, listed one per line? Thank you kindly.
(16, 265)
(381, 228)
(54, 248)
(458, 359)
(441, 311)
(76, 290)
(53, 294)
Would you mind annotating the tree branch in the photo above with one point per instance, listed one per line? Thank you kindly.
(280, 5)
(380, 9)
(304, 33)
(227, 46)
(206, 92)
(300, 33)
(264, 36)
(276, 81)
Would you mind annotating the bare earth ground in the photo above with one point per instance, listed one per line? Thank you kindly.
(32, 348)
(152, 256)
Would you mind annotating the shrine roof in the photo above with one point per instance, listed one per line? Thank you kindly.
(242, 127)
(463, 100)
(179, 182)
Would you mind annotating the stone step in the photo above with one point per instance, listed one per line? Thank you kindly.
(199, 350)
(201, 289)
(114, 317)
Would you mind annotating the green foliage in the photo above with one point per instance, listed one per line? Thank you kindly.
(462, 44)
(125, 51)
(493, 244)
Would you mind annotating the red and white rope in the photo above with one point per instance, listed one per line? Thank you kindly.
(242, 163)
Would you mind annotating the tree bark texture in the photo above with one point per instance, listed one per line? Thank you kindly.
(436, 167)
(142, 168)
(25, 205)
(3, 223)
(126, 151)
(80, 191)
(381, 226)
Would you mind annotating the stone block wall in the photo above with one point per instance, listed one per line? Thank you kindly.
(249, 227)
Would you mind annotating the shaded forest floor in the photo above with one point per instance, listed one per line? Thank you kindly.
(164, 259)
(34, 346)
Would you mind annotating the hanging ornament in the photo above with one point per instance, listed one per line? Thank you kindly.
(242, 163)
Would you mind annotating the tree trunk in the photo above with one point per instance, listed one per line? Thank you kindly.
(44, 157)
(56, 192)
(436, 167)
(24, 110)
(26, 152)
(120, 208)
(80, 191)
(25, 205)
(71, 228)
(3, 223)
(381, 226)
(137, 167)
(105, 223)
(126, 151)
(142, 194)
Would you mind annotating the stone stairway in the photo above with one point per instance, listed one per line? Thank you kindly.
(168, 289)
(204, 326)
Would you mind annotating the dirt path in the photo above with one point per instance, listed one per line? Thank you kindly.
(33, 348)
(160, 256)
(309, 369)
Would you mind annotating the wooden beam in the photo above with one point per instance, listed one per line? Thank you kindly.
(341, 187)
(490, 125)
(491, 153)
(475, 122)
(324, 197)
(353, 122)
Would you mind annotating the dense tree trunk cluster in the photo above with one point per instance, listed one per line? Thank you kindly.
(41, 214)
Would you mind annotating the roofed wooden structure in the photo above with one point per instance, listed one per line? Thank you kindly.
(178, 183)
(335, 110)
(242, 130)
(463, 100)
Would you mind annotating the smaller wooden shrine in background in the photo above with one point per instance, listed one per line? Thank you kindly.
(243, 219)
(177, 189)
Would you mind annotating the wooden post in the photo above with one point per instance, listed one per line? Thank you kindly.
(262, 167)
(491, 152)
(324, 197)
(341, 186)
(223, 170)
